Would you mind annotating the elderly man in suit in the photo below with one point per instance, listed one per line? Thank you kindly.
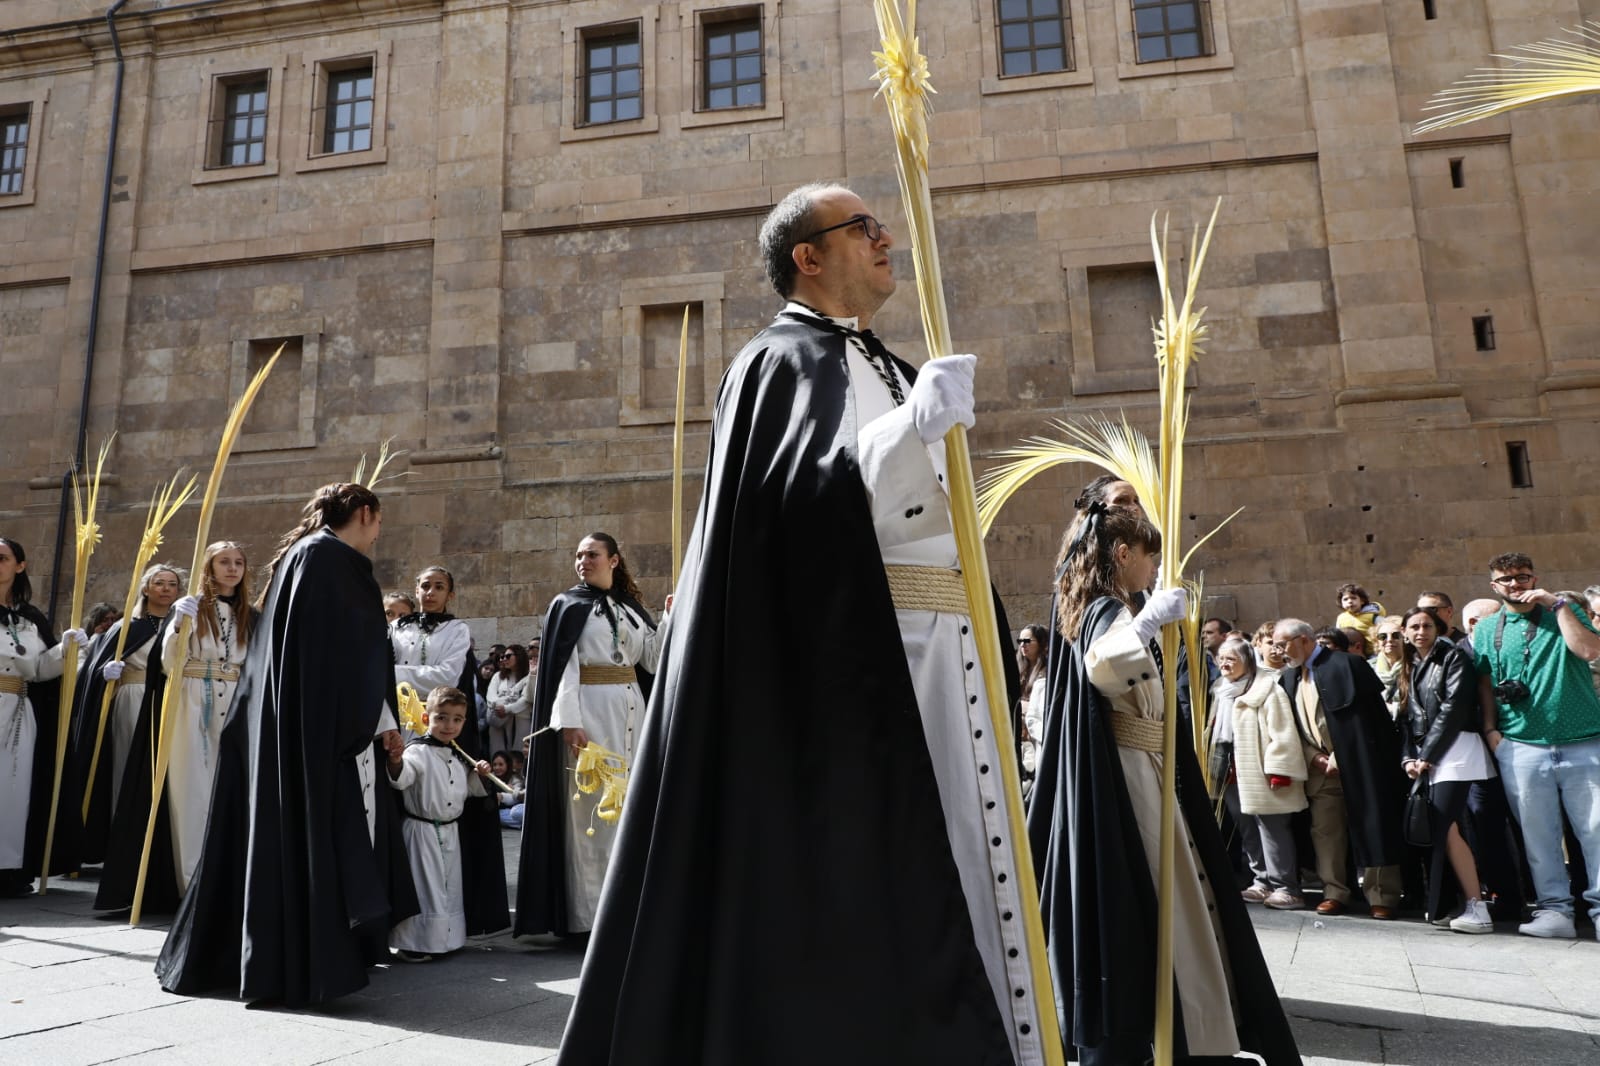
(1355, 784)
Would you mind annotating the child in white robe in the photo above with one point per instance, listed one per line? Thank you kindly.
(436, 782)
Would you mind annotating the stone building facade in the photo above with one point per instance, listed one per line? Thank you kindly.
(1401, 377)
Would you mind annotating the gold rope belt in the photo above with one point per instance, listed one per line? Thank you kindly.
(927, 588)
(11, 684)
(215, 671)
(1140, 734)
(131, 676)
(606, 675)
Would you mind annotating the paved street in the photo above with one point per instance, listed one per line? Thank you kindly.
(77, 989)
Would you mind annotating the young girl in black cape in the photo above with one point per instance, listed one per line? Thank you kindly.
(300, 824)
(1095, 826)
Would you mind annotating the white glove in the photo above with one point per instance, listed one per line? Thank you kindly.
(77, 636)
(1160, 607)
(188, 607)
(112, 670)
(942, 396)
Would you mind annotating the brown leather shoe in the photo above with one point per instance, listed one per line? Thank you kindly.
(1331, 906)
(1383, 914)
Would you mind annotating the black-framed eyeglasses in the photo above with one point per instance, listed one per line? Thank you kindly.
(1512, 579)
(871, 228)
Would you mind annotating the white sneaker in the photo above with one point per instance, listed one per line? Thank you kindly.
(1474, 918)
(1284, 900)
(1256, 893)
(1551, 924)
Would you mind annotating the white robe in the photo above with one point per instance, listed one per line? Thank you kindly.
(125, 706)
(906, 484)
(22, 654)
(429, 660)
(609, 714)
(506, 733)
(194, 739)
(435, 783)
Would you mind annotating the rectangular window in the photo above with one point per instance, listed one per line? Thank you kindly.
(1521, 467)
(1428, 11)
(612, 73)
(1035, 37)
(13, 151)
(244, 124)
(1483, 332)
(1458, 175)
(347, 120)
(1172, 29)
(734, 54)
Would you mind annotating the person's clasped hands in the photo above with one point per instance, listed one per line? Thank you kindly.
(941, 397)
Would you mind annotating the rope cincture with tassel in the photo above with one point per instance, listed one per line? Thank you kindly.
(411, 709)
(173, 710)
(87, 532)
(164, 504)
(902, 75)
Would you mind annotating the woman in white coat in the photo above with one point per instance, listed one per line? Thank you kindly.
(1266, 772)
(509, 699)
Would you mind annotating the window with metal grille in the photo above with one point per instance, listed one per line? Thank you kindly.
(244, 125)
(1035, 37)
(13, 151)
(1172, 29)
(612, 72)
(347, 121)
(734, 55)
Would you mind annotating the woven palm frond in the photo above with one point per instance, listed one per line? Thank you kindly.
(385, 457)
(1543, 70)
(1115, 447)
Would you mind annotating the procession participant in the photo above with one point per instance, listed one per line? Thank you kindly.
(509, 699)
(396, 605)
(160, 585)
(433, 648)
(1101, 776)
(603, 647)
(436, 786)
(295, 825)
(814, 821)
(30, 661)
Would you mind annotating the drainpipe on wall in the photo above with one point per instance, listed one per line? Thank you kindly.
(79, 458)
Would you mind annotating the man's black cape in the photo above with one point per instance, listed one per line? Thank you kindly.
(783, 889)
(120, 876)
(45, 699)
(291, 901)
(542, 903)
(1097, 890)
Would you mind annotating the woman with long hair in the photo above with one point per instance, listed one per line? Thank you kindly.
(1033, 658)
(508, 699)
(30, 660)
(1095, 822)
(296, 826)
(601, 647)
(1444, 742)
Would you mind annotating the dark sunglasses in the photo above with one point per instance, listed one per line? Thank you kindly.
(1025, 640)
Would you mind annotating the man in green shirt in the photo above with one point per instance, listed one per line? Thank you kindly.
(1541, 717)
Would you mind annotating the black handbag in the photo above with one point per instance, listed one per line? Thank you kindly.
(1418, 832)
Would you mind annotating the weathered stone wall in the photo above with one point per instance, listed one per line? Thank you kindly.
(496, 286)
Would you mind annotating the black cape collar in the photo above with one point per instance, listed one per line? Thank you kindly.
(427, 621)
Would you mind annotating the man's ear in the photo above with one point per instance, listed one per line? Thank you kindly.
(806, 259)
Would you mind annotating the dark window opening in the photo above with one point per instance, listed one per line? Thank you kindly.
(244, 125)
(1458, 177)
(1428, 10)
(1172, 29)
(13, 152)
(1483, 332)
(347, 122)
(1035, 37)
(613, 71)
(734, 62)
(1521, 467)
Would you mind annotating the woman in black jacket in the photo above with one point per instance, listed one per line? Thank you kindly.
(1442, 726)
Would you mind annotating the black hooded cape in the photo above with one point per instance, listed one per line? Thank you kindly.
(287, 830)
(45, 699)
(542, 903)
(783, 889)
(1097, 890)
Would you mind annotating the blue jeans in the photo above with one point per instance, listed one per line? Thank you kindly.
(1540, 780)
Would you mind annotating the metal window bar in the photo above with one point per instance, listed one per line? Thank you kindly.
(734, 57)
(345, 117)
(1172, 29)
(610, 78)
(242, 138)
(1035, 37)
(13, 152)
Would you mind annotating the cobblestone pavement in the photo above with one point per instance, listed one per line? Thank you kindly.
(77, 989)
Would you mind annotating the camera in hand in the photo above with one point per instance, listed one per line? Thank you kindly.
(1511, 690)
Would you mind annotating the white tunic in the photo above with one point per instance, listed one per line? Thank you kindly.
(125, 715)
(609, 715)
(429, 660)
(436, 784)
(194, 739)
(507, 729)
(905, 480)
(22, 654)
